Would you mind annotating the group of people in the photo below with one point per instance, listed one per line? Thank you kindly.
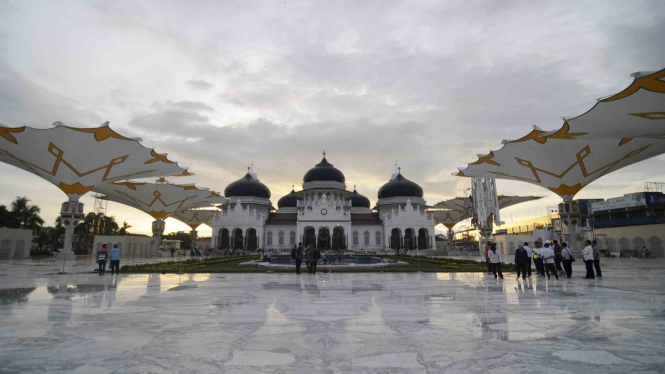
(103, 254)
(550, 258)
(313, 255)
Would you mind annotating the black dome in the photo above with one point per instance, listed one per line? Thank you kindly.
(324, 171)
(288, 201)
(400, 186)
(358, 200)
(247, 186)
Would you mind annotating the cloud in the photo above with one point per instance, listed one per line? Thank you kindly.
(199, 84)
(429, 85)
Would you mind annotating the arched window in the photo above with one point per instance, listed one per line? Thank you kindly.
(378, 238)
(281, 237)
(355, 238)
(366, 237)
(269, 238)
(292, 238)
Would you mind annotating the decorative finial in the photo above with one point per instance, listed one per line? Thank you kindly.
(324, 153)
(248, 169)
(399, 169)
(293, 187)
(354, 187)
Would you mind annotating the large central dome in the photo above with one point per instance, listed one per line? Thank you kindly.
(400, 187)
(247, 186)
(324, 171)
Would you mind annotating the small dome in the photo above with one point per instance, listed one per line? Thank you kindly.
(324, 171)
(288, 201)
(247, 186)
(400, 186)
(358, 200)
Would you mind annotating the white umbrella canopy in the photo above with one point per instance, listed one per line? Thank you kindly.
(159, 200)
(78, 159)
(637, 111)
(460, 208)
(195, 217)
(564, 166)
(618, 131)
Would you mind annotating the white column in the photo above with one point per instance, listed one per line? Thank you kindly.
(71, 213)
(157, 231)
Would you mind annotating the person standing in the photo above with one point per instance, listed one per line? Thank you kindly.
(547, 255)
(529, 253)
(537, 259)
(568, 259)
(313, 255)
(296, 254)
(587, 252)
(102, 254)
(647, 252)
(487, 258)
(558, 257)
(596, 258)
(114, 257)
(495, 262)
(521, 261)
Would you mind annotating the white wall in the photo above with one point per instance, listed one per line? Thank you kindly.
(129, 245)
(15, 243)
(633, 238)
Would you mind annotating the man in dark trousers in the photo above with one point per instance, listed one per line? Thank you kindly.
(537, 259)
(296, 254)
(521, 261)
(596, 259)
(529, 253)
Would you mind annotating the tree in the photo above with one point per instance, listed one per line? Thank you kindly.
(5, 216)
(186, 239)
(123, 229)
(23, 215)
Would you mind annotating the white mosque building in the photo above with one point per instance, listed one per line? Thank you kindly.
(324, 214)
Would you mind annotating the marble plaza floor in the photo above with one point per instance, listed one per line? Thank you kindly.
(331, 323)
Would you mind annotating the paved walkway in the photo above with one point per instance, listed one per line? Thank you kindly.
(331, 323)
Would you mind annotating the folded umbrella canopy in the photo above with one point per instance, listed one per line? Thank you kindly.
(159, 200)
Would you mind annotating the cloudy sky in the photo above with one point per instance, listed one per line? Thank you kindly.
(219, 84)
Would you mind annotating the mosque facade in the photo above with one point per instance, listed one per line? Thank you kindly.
(324, 213)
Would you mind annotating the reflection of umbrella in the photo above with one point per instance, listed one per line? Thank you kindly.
(159, 200)
(80, 159)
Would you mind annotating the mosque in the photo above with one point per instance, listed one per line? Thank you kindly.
(324, 214)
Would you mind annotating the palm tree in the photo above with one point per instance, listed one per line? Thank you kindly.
(123, 229)
(25, 216)
(110, 226)
(5, 216)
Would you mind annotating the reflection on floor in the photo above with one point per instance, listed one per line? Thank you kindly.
(335, 323)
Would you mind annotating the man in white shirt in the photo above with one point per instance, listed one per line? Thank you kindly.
(529, 253)
(587, 252)
(547, 255)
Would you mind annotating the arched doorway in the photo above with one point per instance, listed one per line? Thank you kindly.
(252, 240)
(409, 239)
(338, 238)
(237, 239)
(395, 239)
(324, 238)
(224, 238)
(310, 236)
(423, 238)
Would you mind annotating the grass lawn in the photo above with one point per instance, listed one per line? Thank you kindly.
(230, 265)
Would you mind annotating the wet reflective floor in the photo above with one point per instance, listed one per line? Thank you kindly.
(331, 323)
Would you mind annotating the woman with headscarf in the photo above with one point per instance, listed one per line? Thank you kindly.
(495, 263)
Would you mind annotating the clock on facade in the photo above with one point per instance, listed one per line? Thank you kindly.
(324, 211)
